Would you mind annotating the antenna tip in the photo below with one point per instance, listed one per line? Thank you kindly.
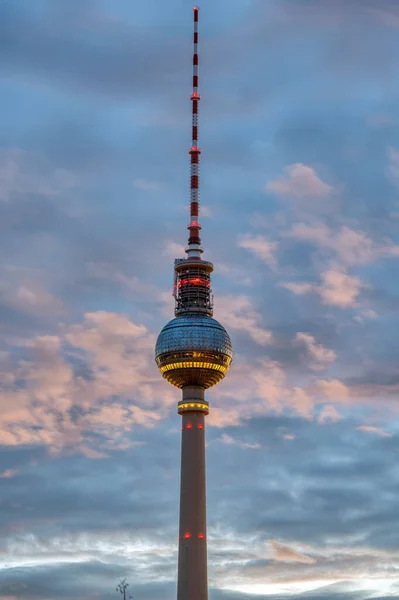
(196, 8)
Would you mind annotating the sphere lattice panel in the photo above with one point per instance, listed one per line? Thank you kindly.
(193, 349)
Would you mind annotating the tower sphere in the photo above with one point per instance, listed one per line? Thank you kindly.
(193, 350)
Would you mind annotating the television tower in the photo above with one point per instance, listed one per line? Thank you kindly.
(193, 352)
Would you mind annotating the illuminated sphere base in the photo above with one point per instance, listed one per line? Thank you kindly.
(193, 350)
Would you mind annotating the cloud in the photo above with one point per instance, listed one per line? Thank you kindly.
(301, 402)
(255, 388)
(334, 390)
(227, 439)
(147, 185)
(337, 288)
(25, 173)
(110, 273)
(261, 248)
(205, 211)
(286, 554)
(174, 250)
(299, 289)
(30, 297)
(329, 415)
(343, 248)
(237, 275)
(353, 247)
(349, 247)
(271, 390)
(8, 474)
(301, 182)
(269, 381)
(102, 368)
(239, 314)
(375, 430)
(224, 417)
(319, 355)
(366, 314)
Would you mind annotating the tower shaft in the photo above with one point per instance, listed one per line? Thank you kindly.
(192, 567)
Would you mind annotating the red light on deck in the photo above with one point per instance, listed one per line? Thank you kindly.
(187, 535)
(194, 281)
(200, 426)
(189, 426)
(201, 536)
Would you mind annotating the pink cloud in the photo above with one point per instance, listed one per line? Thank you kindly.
(329, 415)
(284, 553)
(261, 247)
(337, 288)
(350, 247)
(334, 390)
(317, 233)
(224, 417)
(319, 355)
(374, 430)
(8, 474)
(254, 389)
(239, 314)
(301, 402)
(119, 356)
(299, 181)
(269, 382)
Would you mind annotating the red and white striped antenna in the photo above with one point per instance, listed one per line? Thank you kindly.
(194, 249)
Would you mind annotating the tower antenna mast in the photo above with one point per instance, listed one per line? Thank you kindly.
(194, 242)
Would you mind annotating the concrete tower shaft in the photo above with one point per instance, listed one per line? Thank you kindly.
(192, 567)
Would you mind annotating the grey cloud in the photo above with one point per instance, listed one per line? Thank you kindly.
(302, 489)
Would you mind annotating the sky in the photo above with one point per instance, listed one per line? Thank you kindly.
(299, 128)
